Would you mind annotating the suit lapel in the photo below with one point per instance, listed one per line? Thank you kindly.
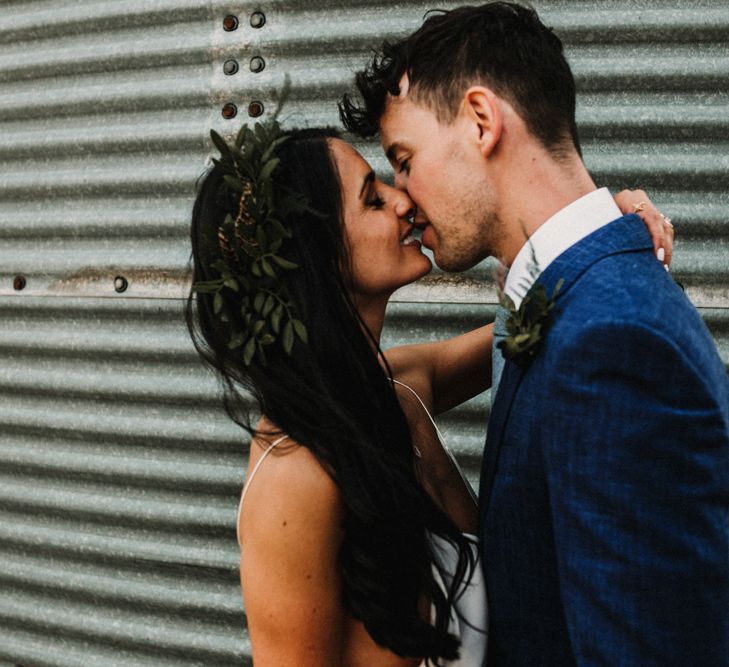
(510, 380)
(626, 234)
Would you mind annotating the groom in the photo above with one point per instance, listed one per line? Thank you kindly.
(604, 500)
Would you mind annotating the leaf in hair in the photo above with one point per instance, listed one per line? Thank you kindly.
(251, 240)
(288, 337)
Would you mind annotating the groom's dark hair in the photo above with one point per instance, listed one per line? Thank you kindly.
(502, 45)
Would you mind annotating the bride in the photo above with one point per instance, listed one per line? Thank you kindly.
(356, 525)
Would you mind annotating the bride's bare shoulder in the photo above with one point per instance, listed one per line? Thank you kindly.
(291, 481)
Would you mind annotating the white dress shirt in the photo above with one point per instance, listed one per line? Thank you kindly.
(565, 228)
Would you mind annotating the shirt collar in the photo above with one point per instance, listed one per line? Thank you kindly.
(565, 228)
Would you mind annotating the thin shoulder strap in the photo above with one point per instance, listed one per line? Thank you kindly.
(247, 485)
(427, 412)
(445, 447)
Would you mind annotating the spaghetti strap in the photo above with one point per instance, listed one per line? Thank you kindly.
(269, 449)
(443, 444)
(427, 412)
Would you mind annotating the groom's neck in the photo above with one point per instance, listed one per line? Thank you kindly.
(542, 187)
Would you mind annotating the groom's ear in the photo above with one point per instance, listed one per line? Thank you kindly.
(483, 111)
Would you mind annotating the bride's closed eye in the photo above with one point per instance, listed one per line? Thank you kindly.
(375, 201)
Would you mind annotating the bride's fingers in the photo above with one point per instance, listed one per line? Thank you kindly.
(637, 201)
(670, 236)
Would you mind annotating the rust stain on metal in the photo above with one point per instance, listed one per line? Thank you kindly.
(166, 283)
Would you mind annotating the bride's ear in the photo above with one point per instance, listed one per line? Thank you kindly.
(482, 109)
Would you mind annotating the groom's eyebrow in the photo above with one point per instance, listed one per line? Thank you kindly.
(390, 152)
(393, 149)
(367, 180)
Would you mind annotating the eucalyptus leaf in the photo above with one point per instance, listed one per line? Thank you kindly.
(207, 286)
(276, 318)
(269, 168)
(248, 351)
(217, 303)
(284, 263)
(236, 341)
(288, 337)
(234, 184)
(273, 146)
(300, 330)
(220, 144)
(267, 268)
(232, 284)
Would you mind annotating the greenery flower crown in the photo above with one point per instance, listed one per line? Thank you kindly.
(250, 245)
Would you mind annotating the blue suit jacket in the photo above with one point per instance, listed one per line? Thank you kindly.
(604, 501)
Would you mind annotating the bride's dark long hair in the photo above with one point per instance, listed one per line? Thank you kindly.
(333, 396)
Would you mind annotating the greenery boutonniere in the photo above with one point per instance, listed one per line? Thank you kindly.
(527, 325)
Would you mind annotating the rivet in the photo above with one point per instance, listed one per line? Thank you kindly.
(255, 109)
(120, 284)
(230, 110)
(230, 67)
(230, 23)
(258, 64)
(19, 283)
(258, 20)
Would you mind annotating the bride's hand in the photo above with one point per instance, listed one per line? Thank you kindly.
(659, 226)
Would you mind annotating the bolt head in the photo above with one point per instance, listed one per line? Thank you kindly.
(258, 20)
(230, 110)
(258, 64)
(230, 23)
(230, 67)
(19, 283)
(255, 109)
(120, 284)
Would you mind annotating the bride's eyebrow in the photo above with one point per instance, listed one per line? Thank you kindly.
(369, 178)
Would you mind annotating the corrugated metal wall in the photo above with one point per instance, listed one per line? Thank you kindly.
(119, 474)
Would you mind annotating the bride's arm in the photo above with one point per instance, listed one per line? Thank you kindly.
(291, 535)
(448, 372)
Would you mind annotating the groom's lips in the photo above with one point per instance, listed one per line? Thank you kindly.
(425, 236)
(422, 224)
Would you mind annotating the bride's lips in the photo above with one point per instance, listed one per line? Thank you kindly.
(422, 225)
(408, 240)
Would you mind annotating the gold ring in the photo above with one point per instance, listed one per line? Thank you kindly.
(666, 221)
(637, 208)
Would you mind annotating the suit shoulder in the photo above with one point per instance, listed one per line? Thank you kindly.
(634, 288)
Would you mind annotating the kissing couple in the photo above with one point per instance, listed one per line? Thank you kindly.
(600, 533)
